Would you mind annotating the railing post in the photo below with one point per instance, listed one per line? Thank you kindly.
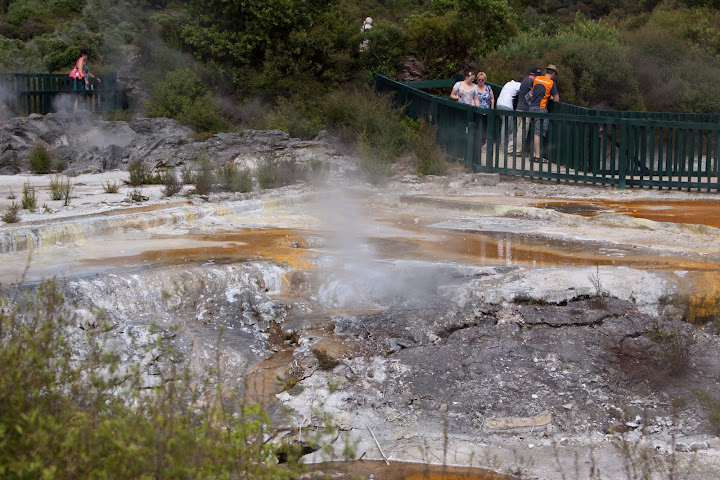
(490, 140)
(623, 153)
(469, 146)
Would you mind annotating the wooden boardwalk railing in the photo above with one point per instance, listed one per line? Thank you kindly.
(665, 150)
(26, 93)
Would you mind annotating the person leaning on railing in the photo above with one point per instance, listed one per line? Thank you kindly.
(507, 100)
(523, 106)
(544, 88)
(466, 91)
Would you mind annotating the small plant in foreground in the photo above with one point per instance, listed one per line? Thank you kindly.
(67, 192)
(59, 187)
(111, 187)
(12, 213)
(172, 183)
(136, 196)
(40, 159)
(325, 361)
(11, 194)
(29, 200)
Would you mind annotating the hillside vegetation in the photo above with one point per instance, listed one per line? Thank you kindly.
(293, 65)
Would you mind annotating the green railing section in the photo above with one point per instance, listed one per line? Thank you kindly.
(604, 147)
(26, 93)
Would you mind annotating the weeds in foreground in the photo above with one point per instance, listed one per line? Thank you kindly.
(28, 200)
(64, 391)
(661, 355)
(11, 194)
(12, 213)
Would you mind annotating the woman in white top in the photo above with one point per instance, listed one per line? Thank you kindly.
(466, 91)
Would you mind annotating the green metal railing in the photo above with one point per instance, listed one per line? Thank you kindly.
(26, 93)
(604, 147)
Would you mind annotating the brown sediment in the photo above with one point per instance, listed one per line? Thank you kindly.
(284, 247)
(703, 296)
(399, 471)
(290, 247)
(699, 212)
(527, 250)
(266, 378)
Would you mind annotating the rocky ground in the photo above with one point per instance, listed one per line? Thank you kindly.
(438, 319)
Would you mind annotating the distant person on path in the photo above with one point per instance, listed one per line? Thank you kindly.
(544, 88)
(523, 105)
(507, 100)
(81, 75)
(466, 91)
(367, 25)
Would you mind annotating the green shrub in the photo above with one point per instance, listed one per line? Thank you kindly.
(58, 187)
(172, 183)
(40, 159)
(28, 200)
(12, 213)
(119, 115)
(187, 176)
(274, 173)
(292, 117)
(71, 412)
(138, 173)
(205, 176)
(233, 180)
(186, 96)
(358, 115)
(387, 49)
(430, 159)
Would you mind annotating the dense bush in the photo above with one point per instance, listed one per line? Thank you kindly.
(594, 66)
(387, 50)
(187, 97)
(40, 159)
(293, 116)
(457, 34)
(233, 179)
(274, 173)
